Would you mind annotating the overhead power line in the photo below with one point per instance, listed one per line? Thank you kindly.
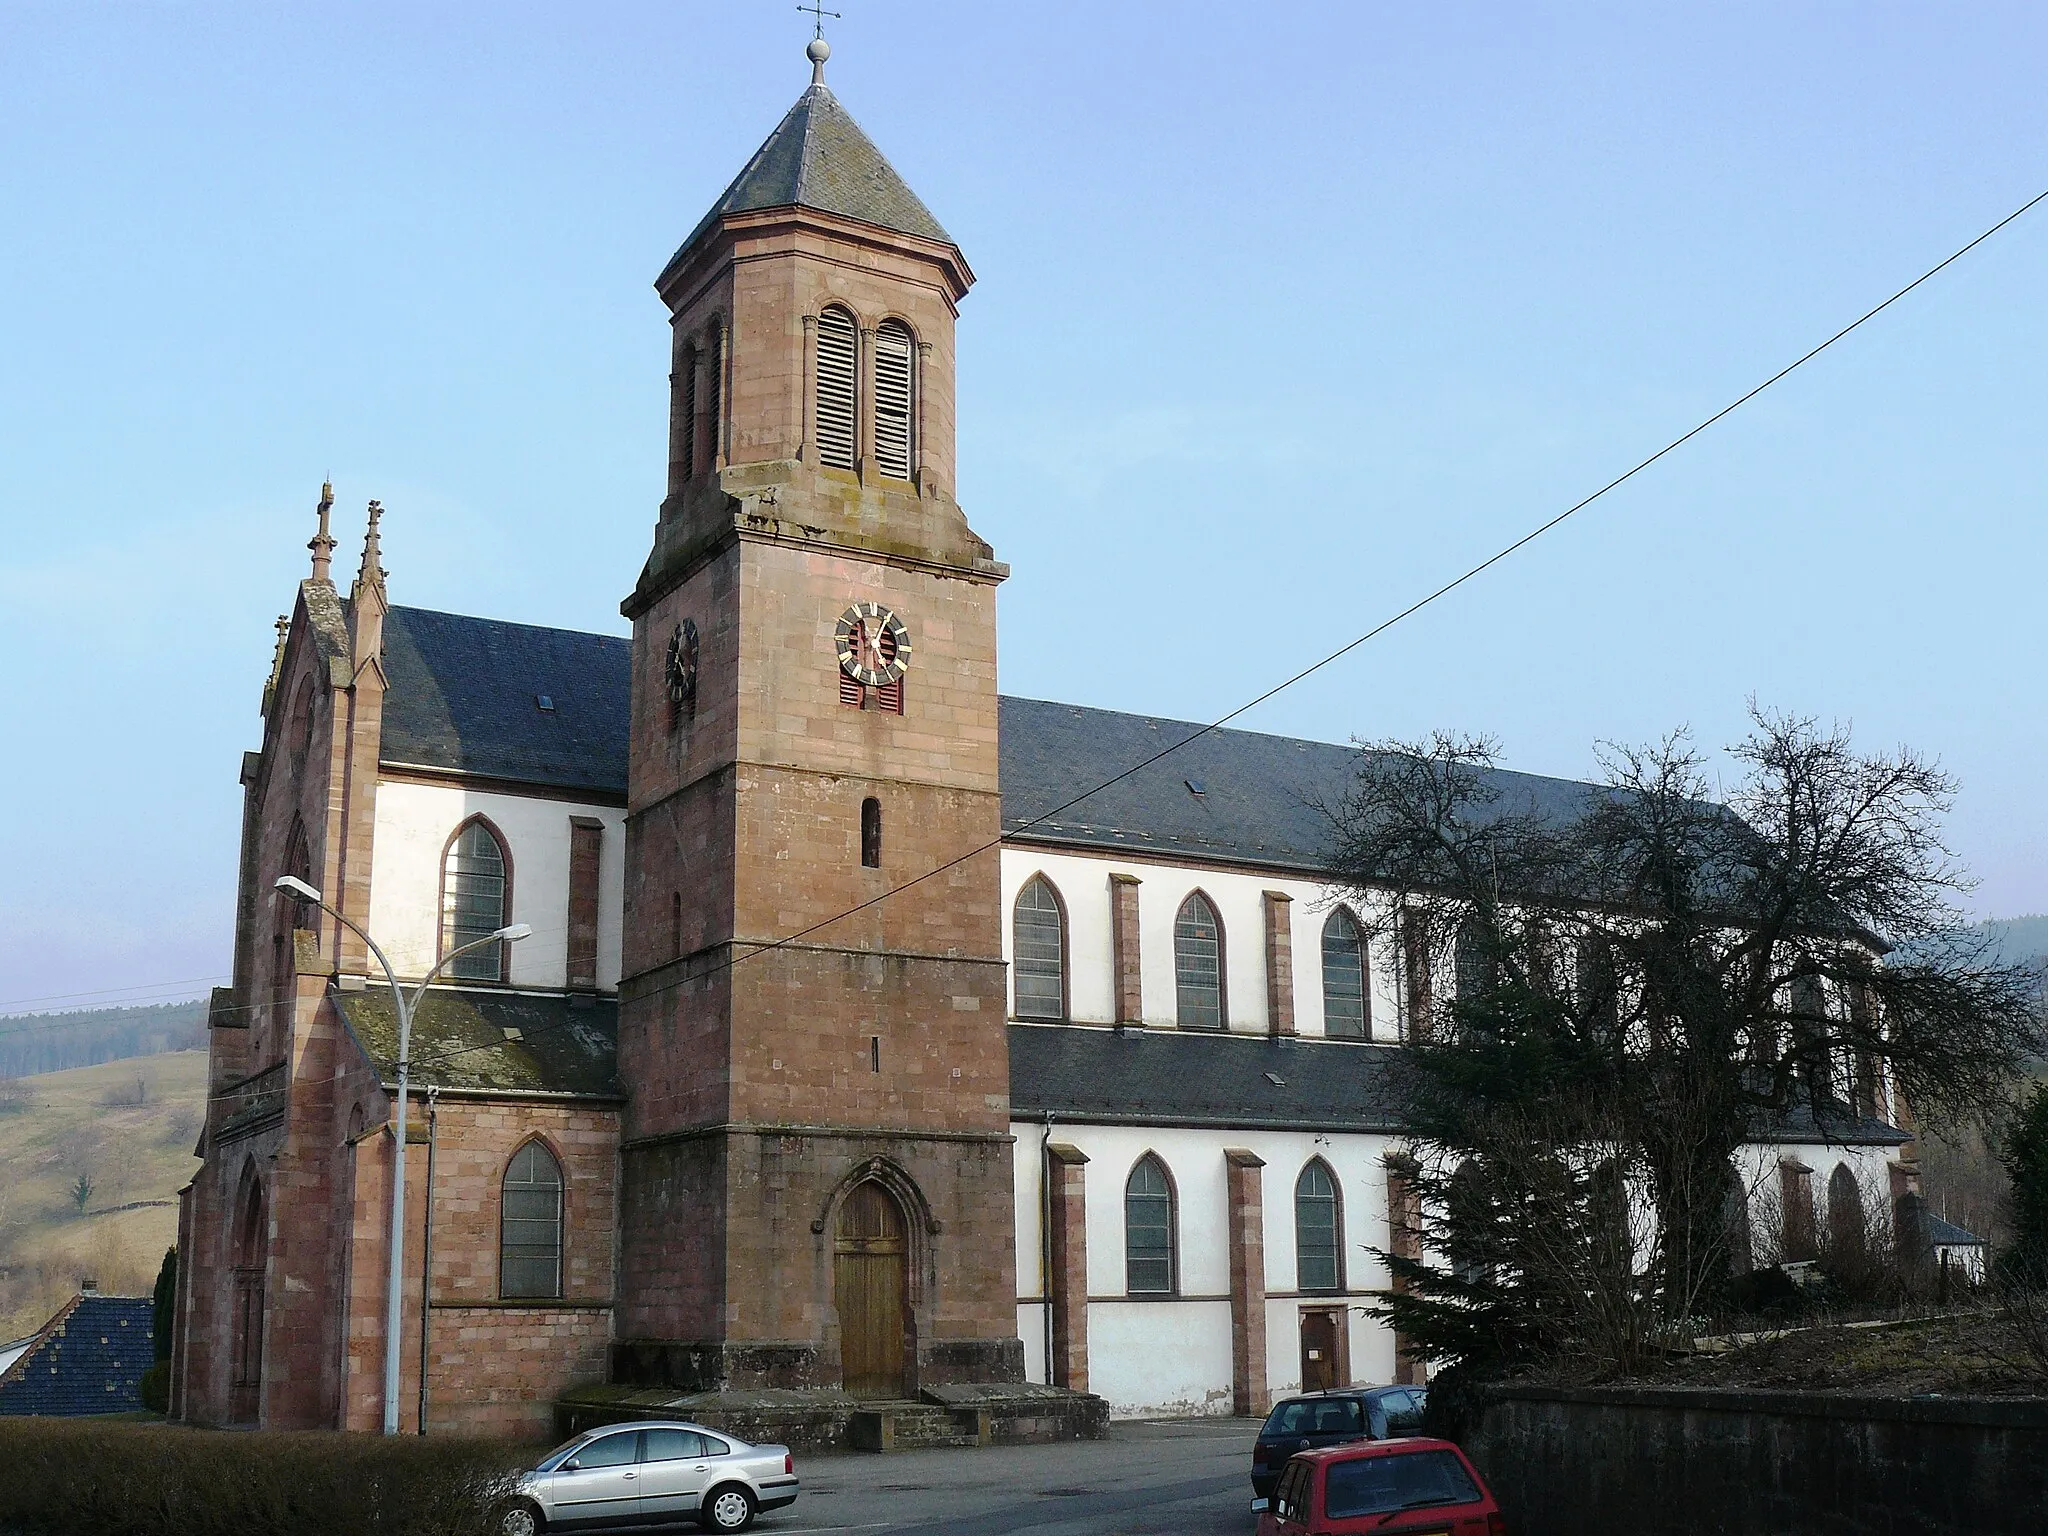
(1469, 574)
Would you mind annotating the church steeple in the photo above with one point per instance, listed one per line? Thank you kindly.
(819, 158)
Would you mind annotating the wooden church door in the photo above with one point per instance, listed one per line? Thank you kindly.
(1318, 1352)
(868, 1280)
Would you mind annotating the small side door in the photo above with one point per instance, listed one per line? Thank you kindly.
(675, 1468)
(599, 1485)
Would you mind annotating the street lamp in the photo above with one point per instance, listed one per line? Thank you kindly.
(394, 1285)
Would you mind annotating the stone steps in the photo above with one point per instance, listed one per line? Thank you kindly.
(907, 1426)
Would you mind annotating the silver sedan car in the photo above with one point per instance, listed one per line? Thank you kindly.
(647, 1476)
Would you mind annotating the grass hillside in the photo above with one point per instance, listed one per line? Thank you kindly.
(91, 1161)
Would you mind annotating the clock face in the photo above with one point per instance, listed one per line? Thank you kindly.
(682, 667)
(873, 645)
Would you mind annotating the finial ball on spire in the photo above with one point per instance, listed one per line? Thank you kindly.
(818, 50)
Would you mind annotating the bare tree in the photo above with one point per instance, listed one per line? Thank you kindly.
(1709, 968)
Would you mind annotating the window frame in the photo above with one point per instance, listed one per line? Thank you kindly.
(1358, 937)
(1064, 967)
(561, 1221)
(853, 400)
(895, 325)
(1171, 1196)
(1336, 1204)
(443, 946)
(1180, 1006)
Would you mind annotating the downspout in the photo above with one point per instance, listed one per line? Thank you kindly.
(1045, 1236)
(427, 1251)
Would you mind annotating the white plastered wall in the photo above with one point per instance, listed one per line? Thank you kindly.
(1082, 881)
(1161, 1357)
(414, 823)
(1757, 1163)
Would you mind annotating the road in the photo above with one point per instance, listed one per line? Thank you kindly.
(1191, 1478)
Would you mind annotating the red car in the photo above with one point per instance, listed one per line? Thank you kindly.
(1383, 1487)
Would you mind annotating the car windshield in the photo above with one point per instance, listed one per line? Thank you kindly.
(1314, 1416)
(1374, 1485)
(560, 1453)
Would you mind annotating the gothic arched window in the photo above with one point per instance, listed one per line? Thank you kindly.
(1039, 952)
(1198, 964)
(530, 1225)
(1317, 1262)
(838, 396)
(895, 374)
(1148, 1229)
(1346, 1012)
(476, 885)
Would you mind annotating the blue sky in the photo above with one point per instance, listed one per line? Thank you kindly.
(1286, 312)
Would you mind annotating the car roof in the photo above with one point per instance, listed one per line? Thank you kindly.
(1400, 1445)
(605, 1429)
(1328, 1392)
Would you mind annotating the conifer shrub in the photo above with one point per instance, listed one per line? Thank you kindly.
(82, 1477)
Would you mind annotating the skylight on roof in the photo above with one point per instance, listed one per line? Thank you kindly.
(545, 703)
(1196, 786)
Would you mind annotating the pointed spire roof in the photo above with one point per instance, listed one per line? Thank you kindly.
(818, 157)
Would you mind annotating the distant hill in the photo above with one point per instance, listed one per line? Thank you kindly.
(2018, 938)
(34, 1043)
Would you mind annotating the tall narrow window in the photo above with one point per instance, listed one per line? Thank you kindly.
(1148, 1229)
(1472, 961)
(474, 885)
(1039, 959)
(894, 375)
(1346, 1013)
(837, 396)
(686, 428)
(1316, 1266)
(871, 833)
(1198, 964)
(530, 1225)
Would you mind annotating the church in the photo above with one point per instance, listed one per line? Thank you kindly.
(799, 1015)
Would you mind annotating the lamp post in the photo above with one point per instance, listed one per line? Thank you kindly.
(394, 1285)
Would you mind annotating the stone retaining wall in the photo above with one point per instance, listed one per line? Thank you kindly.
(1717, 1462)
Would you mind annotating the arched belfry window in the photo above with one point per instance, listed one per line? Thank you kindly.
(1198, 964)
(1317, 1253)
(1148, 1229)
(1039, 952)
(838, 398)
(475, 887)
(1347, 1014)
(895, 377)
(530, 1225)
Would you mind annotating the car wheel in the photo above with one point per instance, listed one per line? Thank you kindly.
(730, 1508)
(521, 1517)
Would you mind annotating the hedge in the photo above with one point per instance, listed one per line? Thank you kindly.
(81, 1477)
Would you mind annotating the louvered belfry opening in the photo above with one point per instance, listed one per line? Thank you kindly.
(687, 409)
(837, 395)
(894, 352)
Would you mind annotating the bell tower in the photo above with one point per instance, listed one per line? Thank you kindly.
(817, 1165)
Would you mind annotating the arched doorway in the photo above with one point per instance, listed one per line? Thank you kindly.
(868, 1272)
(251, 1252)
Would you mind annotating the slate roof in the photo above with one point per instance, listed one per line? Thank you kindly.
(1168, 1077)
(463, 695)
(1260, 800)
(493, 1041)
(1942, 1233)
(1254, 1082)
(818, 157)
(462, 698)
(89, 1358)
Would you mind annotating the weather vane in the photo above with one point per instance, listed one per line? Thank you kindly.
(817, 12)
